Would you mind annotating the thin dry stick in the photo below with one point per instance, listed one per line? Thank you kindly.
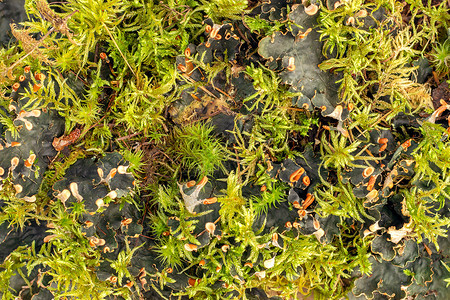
(10, 68)
(117, 46)
(128, 136)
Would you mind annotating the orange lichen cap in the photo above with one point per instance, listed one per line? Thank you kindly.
(350, 21)
(406, 144)
(368, 171)
(210, 200)
(350, 106)
(382, 140)
(190, 247)
(190, 183)
(304, 34)
(126, 222)
(306, 181)
(210, 227)
(36, 87)
(371, 183)
(291, 64)
(295, 176)
(309, 199)
(203, 181)
(361, 14)
(311, 10)
(193, 281)
(182, 68)
(39, 76)
(30, 160)
(15, 86)
(372, 195)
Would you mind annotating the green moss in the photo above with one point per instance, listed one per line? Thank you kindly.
(266, 148)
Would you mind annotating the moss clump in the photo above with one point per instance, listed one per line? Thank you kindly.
(225, 149)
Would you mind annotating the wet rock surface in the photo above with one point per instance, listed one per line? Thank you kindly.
(10, 11)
